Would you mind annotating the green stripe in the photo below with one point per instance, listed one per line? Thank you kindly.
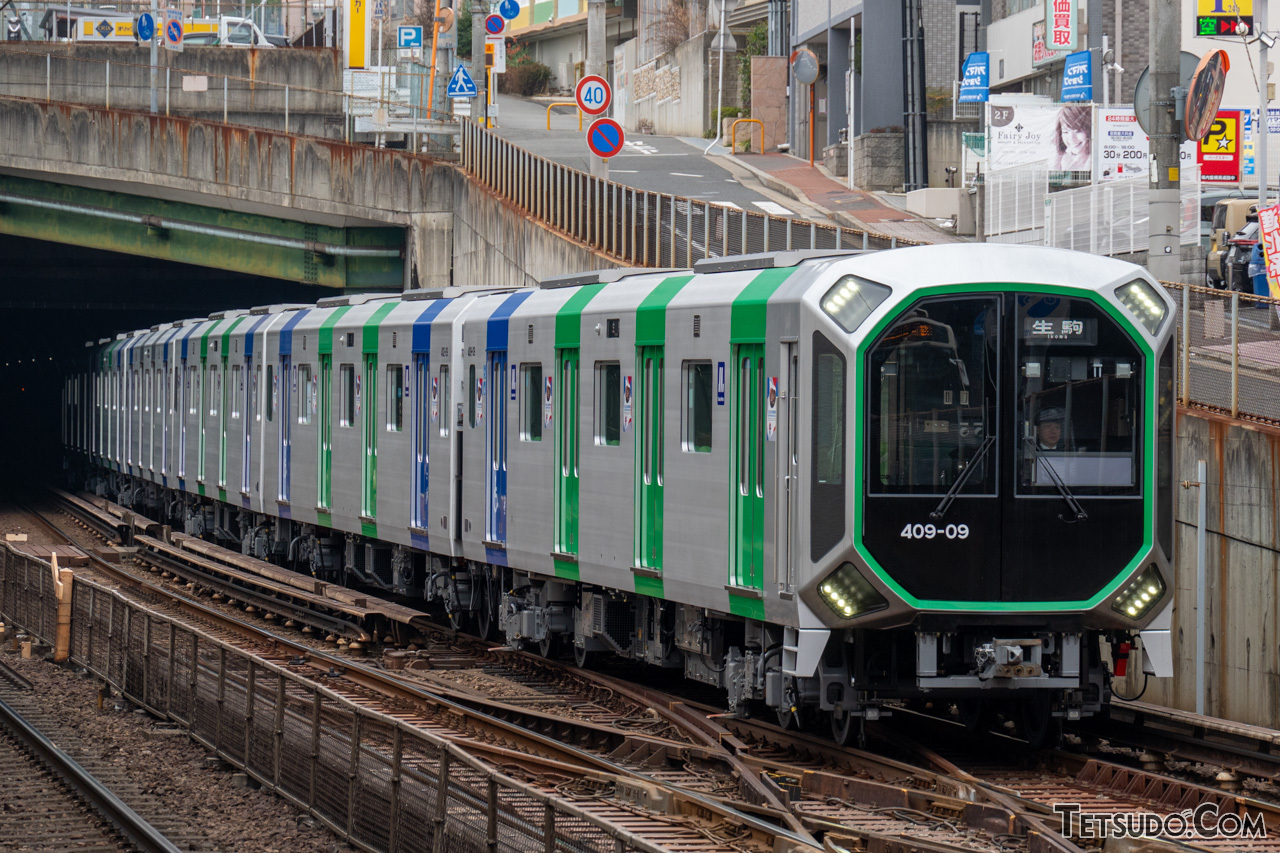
(651, 316)
(1148, 471)
(222, 494)
(569, 317)
(747, 319)
(566, 570)
(204, 338)
(651, 587)
(369, 529)
(326, 328)
(226, 338)
(371, 326)
(748, 608)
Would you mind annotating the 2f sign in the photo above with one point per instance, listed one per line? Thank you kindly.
(593, 95)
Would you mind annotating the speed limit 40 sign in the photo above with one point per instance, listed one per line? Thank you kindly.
(593, 94)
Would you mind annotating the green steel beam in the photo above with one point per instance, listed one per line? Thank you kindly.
(218, 251)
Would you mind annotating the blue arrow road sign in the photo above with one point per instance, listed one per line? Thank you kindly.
(509, 9)
(146, 27)
(461, 85)
(409, 37)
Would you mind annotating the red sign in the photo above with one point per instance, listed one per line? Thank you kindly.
(593, 94)
(605, 137)
(1218, 153)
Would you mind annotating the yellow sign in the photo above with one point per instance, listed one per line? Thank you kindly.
(1225, 7)
(1222, 137)
(106, 29)
(357, 41)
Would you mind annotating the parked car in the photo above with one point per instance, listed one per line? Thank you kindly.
(1239, 250)
(1229, 216)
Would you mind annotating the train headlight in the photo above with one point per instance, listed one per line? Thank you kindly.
(848, 593)
(851, 300)
(1140, 595)
(1147, 305)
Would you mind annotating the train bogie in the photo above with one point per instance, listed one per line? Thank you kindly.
(818, 482)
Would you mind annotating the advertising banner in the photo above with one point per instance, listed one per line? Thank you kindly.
(975, 84)
(1219, 151)
(1269, 229)
(1077, 77)
(1123, 147)
(1061, 17)
(1059, 136)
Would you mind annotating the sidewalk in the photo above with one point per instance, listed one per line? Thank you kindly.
(853, 207)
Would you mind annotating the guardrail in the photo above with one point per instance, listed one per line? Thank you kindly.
(637, 226)
(563, 104)
(733, 132)
(377, 782)
(325, 113)
(1228, 352)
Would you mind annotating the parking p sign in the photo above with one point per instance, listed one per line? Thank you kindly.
(408, 37)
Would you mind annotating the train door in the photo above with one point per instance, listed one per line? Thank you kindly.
(421, 424)
(287, 379)
(203, 418)
(165, 412)
(369, 424)
(788, 466)
(566, 481)
(228, 393)
(249, 410)
(747, 425)
(496, 449)
(650, 432)
(324, 463)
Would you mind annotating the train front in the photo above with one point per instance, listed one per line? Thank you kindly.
(1010, 446)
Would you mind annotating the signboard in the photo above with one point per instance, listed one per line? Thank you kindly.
(1219, 151)
(1224, 17)
(509, 9)
(408, 37)
(1060, 137)
(494, 25)
(1077, 77)
(146, 27)
(495, 54)
(1062, 18)
(1269, 233)
(593, 94)
(461, 85)
(605, 137)
(975, 82)
(1039, 45)
(173, 29)
(357, 22)
(104, 29)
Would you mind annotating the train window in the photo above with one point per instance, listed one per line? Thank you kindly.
(1164, 450)
(215, 390)
(471, 395)
(698, 385)
(347, 386)
(444, 400)
(933, 378)
(536, 402)
(827, 493)
(1079, 399)
(237, 387)
(307, 394)
(395, 397)
(608, 403)
(274, 391)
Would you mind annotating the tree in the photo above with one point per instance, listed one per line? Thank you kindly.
(463, 23)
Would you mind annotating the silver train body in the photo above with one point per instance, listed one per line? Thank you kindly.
(816, 482)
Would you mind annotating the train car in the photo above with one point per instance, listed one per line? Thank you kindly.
(825, 483)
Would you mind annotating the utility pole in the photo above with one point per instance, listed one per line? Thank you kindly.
(595, 64)
(1262, 129)
(155, 57)
(1163, 251)
(478, 75)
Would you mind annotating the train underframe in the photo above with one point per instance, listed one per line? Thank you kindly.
(1037, 673)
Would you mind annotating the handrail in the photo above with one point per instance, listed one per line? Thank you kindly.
(733, 133)
(563, 104)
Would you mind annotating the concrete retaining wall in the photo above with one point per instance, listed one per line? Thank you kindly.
(671, 94)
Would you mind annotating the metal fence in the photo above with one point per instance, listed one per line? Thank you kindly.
(1228, 352)
(637, 226)
(289, 18)
(376, 781)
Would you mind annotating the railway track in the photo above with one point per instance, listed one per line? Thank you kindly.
(804, 786)
(51, 801)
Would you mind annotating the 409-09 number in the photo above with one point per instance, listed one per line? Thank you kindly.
(931, 531)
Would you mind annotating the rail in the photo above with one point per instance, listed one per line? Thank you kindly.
(733, 132)
(563, 104)
(636, 226)
(376, 781)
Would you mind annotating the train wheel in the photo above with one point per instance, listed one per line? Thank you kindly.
(975, 714)
(549, 646)
(847, 729)
(582, 658)
(791, 714)
(1039, 726)
(486, 615)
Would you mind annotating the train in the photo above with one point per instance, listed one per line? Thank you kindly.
(940, 473)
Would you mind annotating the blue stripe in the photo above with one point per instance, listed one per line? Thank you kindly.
(191, 330)
(286, 334)
(422, 325)
(164, 347)
(248, 336)
(495, 556)
(417, 540)
(496, 339)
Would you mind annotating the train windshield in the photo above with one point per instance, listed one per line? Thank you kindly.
(934, 377)
(1078, 396)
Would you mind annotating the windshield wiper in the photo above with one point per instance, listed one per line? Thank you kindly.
(950, 496)
(1072, 503)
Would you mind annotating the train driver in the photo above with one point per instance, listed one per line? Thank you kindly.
(1049, 428)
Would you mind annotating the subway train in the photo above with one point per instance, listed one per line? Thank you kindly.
(940, 473)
